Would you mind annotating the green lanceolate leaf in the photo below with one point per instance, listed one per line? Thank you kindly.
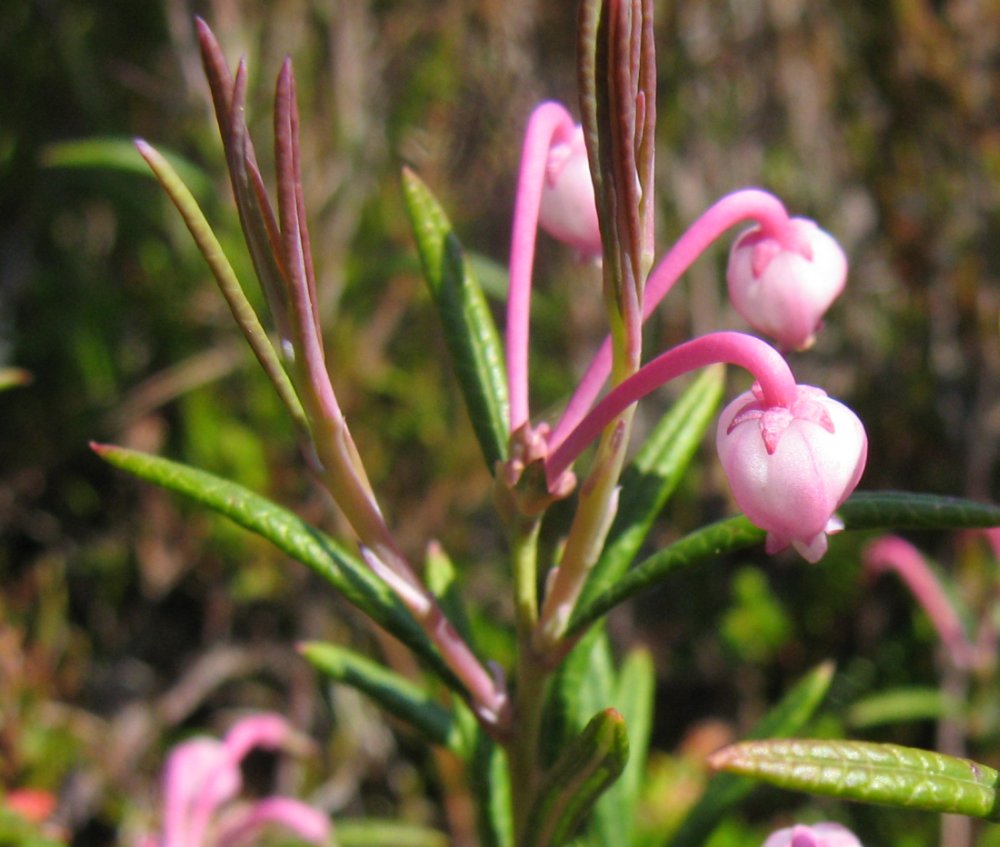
(584, 683)
(788, 717)
(489, 782)
(615, 812)
(583, 771)
(653, 476)
(906, 510)
(290, 534)
(394, 693)
(225, 277)
(870, 773)
(469, 329)
(864, 510)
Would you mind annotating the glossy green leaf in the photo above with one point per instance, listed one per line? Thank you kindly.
(886, 774)
(653, 476)
(290, 534)
(469, 330)
(394, 693)
(788, 717)
(864, 510)
(583, 771)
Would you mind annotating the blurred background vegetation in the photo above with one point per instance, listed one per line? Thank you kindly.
(128, 618)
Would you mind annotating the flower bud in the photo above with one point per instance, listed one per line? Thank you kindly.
(568, 209)
(817, 835)
(783, 286)
(790, 468)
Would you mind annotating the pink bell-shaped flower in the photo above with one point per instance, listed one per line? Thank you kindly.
(817, 835)
(568, 210)
(783, 285)
(790, 468)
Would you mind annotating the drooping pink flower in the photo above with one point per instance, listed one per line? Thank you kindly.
(568, 210)
(201, 784)
(783, 285)
(817, 835)
(791, 467)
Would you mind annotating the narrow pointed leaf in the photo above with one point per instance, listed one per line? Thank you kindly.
(229, 284)
(864, 510)
(584, 684)
(787, 718)
(489, 782)
(583, 771)
(887, 774)
(290, 534)
(615, 812)
(394, 693)
(469, 330)
(653, 476)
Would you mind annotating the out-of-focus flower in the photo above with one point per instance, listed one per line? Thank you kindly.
(817, 835)
(568, 210)
(791, 467)
(201, 784)
(783, 286)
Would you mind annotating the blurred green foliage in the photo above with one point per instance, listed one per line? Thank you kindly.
(126, 615)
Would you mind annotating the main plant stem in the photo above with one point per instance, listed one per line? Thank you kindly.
(532, 677)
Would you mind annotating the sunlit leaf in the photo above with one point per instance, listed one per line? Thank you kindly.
(394, 693)
(290, 534)
(469, 330)
(864, 510)
(887, 774)
(583, 771)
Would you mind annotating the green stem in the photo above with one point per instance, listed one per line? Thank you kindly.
(531, 675)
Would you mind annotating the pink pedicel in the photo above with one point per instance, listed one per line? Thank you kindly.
(782, 287)
(568, 210)
(791, 467)
(817, 835)
(201, 784)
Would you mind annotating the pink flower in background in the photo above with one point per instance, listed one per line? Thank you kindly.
(201, 784)
(783, 287)
(568, 210)
(791, 467)
(817, 835)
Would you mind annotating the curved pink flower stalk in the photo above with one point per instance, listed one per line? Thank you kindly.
(737, 348)
(202, 780)
(791, 466)
(892, 553)
(733, 209)
(784, 291)
(817, 835)
(550, 129)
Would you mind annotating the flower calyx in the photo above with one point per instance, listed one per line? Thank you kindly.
(522, 487)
